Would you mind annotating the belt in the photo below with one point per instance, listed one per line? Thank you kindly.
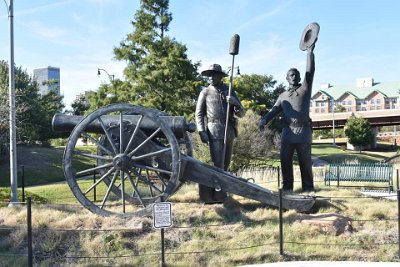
(299, 124)
(216, 120)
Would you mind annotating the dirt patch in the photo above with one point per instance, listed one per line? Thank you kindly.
(329, 222)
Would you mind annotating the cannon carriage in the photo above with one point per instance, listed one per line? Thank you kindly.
(143, 156)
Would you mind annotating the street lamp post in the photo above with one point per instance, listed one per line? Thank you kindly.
(237, 70)
(110, 76)
(333, 121)
(13, 135)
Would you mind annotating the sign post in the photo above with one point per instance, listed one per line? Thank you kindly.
(162, 218)
(162, 215)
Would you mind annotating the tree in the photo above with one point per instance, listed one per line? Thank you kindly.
(251, 145)
(340, 108)
(4, 115)
(257, 92)
(81, 104)
(358, 131)
(159, 73)
(51, 104)
(33, 111)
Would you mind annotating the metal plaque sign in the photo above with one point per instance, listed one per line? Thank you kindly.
(162, 215)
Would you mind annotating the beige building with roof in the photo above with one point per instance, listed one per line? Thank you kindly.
(364, 95)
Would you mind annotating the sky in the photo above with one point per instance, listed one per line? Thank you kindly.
(357, 38)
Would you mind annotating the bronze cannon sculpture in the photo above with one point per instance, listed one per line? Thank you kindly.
(143, 156)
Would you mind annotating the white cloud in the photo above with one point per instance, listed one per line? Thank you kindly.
(82, 76)
(46, 31)
(41, 8)
(264, 16)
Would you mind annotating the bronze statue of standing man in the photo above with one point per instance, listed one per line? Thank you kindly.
(211, 109)
(294, 105)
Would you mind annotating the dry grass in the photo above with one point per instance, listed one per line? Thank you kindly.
(241, 231)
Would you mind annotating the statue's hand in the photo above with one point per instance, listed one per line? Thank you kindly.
(232, 101)
(204, 137)
(311, 48)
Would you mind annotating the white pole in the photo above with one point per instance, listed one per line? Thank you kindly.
(13, 135)
(333, 121)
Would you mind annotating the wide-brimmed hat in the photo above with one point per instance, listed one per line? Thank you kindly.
(309, 36)
(213, 69)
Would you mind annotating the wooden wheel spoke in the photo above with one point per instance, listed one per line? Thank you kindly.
(97, 143)
(121, 133)
(109, 189)
(94, 169)
(133, 183)
(121, 176)
(161, 179)
(92, 156)
(133, 134)
(99, 180)
(146, 181)
(144, 142)
(151, 154)
(108, 135)
(153, 169)
(136, 189)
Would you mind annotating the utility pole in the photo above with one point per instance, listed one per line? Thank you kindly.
(333, 121)
(13, 135)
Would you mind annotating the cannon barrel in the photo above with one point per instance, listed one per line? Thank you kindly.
(66, 123)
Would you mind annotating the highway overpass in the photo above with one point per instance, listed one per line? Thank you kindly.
(375, 117)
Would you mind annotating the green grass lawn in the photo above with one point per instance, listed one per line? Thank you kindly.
(44, 166)
(40, 165)
(244, 223)
(337, 154)
(240, 232)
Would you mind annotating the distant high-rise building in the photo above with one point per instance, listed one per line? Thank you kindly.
(48, 79)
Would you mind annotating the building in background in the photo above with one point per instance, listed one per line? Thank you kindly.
(364, 95)
(48, 79)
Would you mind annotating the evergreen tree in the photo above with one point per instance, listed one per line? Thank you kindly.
(159, 73)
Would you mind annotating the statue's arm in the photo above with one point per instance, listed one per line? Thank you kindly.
(270, 115)
(238, 108)
(310, 65)
(201, 110)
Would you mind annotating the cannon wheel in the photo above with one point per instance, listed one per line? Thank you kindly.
(136, 168)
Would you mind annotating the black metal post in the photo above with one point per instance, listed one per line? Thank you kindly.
(29, 223)
(162, 243)
(23, 183)
(280, 223)
(279, 177)
(94, 181)
(397, 176)
(329, 177)
(338, 175)
(162, 249)
(398, 219)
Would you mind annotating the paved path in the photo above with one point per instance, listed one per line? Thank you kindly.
(317, 162)
(327, 264)
(386, 195)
